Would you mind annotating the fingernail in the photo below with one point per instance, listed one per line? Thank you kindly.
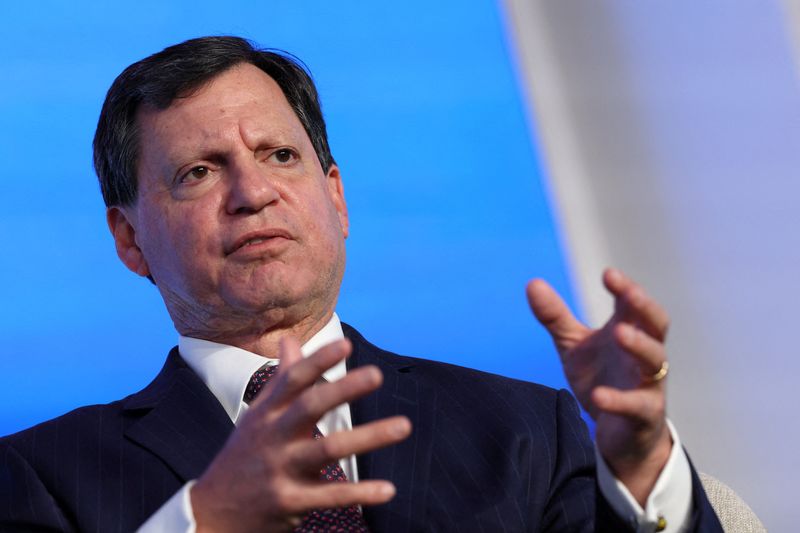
(386, 489)
(400, 428)
(372, 375)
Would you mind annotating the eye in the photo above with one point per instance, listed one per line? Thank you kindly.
(195, 174)
(284, 155)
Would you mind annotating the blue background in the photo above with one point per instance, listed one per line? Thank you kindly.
(449, 213)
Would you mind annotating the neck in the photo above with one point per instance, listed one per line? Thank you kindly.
(267, 342)
(260, 333)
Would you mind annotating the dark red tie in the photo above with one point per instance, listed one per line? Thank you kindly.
(338, 520)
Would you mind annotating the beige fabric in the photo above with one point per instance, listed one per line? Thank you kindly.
(733, 513)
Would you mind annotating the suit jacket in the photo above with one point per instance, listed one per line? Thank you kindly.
(487, 454)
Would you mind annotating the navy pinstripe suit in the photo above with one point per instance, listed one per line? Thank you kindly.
(487, 454)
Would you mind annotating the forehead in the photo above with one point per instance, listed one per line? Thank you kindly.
(241, 101)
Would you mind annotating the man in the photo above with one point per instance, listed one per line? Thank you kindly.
(214, 164)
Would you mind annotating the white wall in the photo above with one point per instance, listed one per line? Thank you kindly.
(671, 131)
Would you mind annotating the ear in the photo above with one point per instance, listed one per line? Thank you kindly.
(125, 239)
(336, 190)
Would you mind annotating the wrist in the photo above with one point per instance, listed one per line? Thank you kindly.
(639, 473)
(208, 517)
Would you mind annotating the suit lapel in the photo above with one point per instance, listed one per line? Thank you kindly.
(181, 422)
(406, 464)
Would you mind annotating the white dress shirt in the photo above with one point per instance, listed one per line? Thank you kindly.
(671, 497)
(226, 371)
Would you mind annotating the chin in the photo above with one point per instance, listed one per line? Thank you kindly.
(288, 289)
(257, 300)
(260, 296)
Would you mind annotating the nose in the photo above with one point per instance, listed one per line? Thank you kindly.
(250, 189)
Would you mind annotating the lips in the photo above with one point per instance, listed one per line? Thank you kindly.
(256, 237)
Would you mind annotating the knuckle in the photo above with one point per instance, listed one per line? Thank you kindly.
(316, 363)
(659, 406)
(310, 404)
(635, 295)
(293, 379)
(636, 338)
(387, 432)
(322, 358)
(343, 496)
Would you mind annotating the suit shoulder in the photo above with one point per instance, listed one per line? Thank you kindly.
(112, 417)
(464, 377)
(61, 427)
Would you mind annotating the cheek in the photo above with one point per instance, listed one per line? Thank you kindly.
(330, 241)
(324, 225)
(177, 241)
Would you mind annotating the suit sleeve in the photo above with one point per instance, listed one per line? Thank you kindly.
(703, 518)
(678, 492)
(572, 496)
(670, 499)
(176, 516)
(576, 502)
(25, 503)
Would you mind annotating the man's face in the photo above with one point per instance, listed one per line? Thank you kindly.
(235, 219)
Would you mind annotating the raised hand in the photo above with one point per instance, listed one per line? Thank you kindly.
(266, 477)
(616, 372)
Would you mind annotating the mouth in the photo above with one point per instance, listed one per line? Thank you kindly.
(256, 239)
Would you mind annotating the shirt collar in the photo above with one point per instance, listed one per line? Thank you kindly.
(226, 370)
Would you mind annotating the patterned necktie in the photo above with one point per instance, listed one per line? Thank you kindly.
(338, 520)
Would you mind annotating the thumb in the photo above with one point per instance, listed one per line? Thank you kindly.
(551, 311)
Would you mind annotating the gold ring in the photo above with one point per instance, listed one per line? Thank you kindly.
(662, 372)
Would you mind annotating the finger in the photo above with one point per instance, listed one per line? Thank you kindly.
(616, 281)
(618, 284)
(310, 456)
(648, 351)
(644, 406)
(300, 374)
(306, 409)
(649, 314)
(551, 311)
(327, 495)
(289, 352)
(635, 305)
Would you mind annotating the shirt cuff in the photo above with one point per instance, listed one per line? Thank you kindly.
(670, 499)
(175, 516)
